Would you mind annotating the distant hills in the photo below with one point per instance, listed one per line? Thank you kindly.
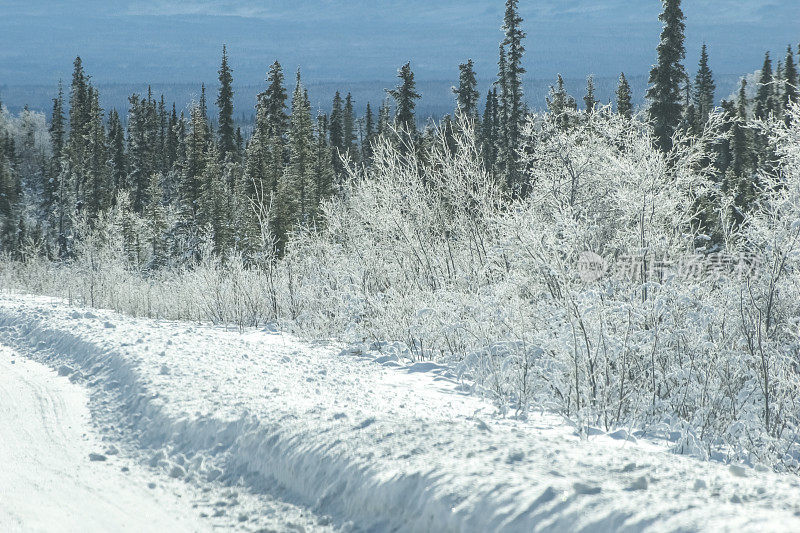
(129, 41)
(437, 98)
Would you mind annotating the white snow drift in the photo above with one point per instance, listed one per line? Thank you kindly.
(55, 476)
(365, 441)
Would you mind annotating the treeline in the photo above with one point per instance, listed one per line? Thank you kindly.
(181, 181)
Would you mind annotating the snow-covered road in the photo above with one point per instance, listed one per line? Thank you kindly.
(49, 482)
(309, 437)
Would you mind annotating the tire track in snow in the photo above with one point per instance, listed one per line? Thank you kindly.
(48, 483)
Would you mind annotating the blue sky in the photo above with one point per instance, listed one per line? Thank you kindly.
(180, 41)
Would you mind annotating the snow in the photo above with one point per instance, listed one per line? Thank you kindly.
(51, 476)
(336, 438)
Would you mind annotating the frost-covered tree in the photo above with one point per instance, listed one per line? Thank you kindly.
(266, 152)
(560, 103)
(589, 100)
(171, 141)
(765, 97)
(489, 132)
(704, 87)
(117, 158)
(274, 99)
(155, 215)
(405, 96)
(324, 174)
(337, 134)
(213, 209)
(99, 180)
(141, 154)
(384, 118)
(370, 134)
(624, 97)
(790, 81)
(197, 146)
(296, 190)
(10, 194)
(513, 97)
(467, 94)
(79, 120)
(58, 137)
(349, 129)
(225, 125)
(668, 75)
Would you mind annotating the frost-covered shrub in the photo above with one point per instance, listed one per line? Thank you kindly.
(110, 270)
(427, 252)
(589, 294)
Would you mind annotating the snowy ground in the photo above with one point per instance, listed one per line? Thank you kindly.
(265, 431)
(48, 481)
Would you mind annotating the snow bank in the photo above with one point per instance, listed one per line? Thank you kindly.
(366, 443)
(46, 435)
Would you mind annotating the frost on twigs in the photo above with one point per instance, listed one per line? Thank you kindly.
(428, 256)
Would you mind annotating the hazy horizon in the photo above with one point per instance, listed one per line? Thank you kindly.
(156, 41)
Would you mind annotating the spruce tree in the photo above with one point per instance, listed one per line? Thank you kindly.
(153, 136)
(138, 151)
(225, 130)
(513, 84)
(171, 141)
(196, 160)
(667, 76)
(98, 194)
(405, 96)
(467, 94)
(275, 98)
(202, 106)
(369, 135)
(778, 93)
(213, 201)
(384, 118)
(163, 124)
(57, 126)
(117, 159)
(79, 118)
(155, 216)
(266, 151)
(766, 106)
(560, 104)
(349, 129)
(296, 190)
(57, 139)
(503, 107)
(589, 99)
(489, 130)
(78, 105)
(323, 169)
(790, 80)
(741, 156)
(624, 98)
(10, 193)
(765, 101)
(338, 147)
(704, 88)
